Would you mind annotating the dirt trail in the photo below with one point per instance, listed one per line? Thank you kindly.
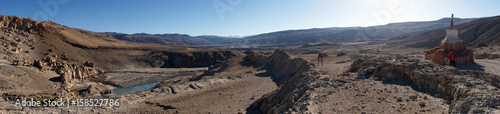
(490, 65)
(228, 98)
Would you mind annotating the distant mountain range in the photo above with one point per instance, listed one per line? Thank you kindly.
(297, 37)
(344, 34)
(483, 30)
(170, 39)
(424, 34)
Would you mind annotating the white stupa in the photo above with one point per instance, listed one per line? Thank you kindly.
(452, 41)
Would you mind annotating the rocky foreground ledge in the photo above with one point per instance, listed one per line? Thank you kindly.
(466, 91)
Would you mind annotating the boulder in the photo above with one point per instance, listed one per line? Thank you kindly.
(95, 90)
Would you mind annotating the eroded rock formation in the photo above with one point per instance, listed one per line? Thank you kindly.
(283, 67)
(72, 72)
(297, 80)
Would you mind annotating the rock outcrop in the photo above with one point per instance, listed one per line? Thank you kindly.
(297, 80)
(282, 67)
(25, 24)
(96, 90)
(73, 72)
(70, 72)
(467, 91)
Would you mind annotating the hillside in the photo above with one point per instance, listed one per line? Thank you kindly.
(44, 60)
(64, 54)
(164, 39)
(217, 39)
(75, 45)
(169, 39)
(343, 34)
(484, 30)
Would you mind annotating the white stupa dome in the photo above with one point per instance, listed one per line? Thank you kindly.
(451, 36)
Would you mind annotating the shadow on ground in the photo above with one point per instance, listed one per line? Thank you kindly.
(476, 67)
(251, 110)
(55, 79)
(267, 74)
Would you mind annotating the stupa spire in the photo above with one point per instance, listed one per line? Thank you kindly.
(451, 24)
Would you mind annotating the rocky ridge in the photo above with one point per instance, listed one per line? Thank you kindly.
(25, 24)
(297, 81)
(282, 66)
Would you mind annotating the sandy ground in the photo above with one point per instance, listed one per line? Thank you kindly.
(25, 80)
(370, 96)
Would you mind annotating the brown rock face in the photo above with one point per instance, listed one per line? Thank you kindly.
(71, 72)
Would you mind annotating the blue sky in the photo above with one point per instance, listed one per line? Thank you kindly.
(239, 17)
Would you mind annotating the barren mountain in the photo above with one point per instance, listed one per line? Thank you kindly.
(217, 39)
(169, 39)
(483, 30)
(343, 34)
(78, 45)
(164, 39)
